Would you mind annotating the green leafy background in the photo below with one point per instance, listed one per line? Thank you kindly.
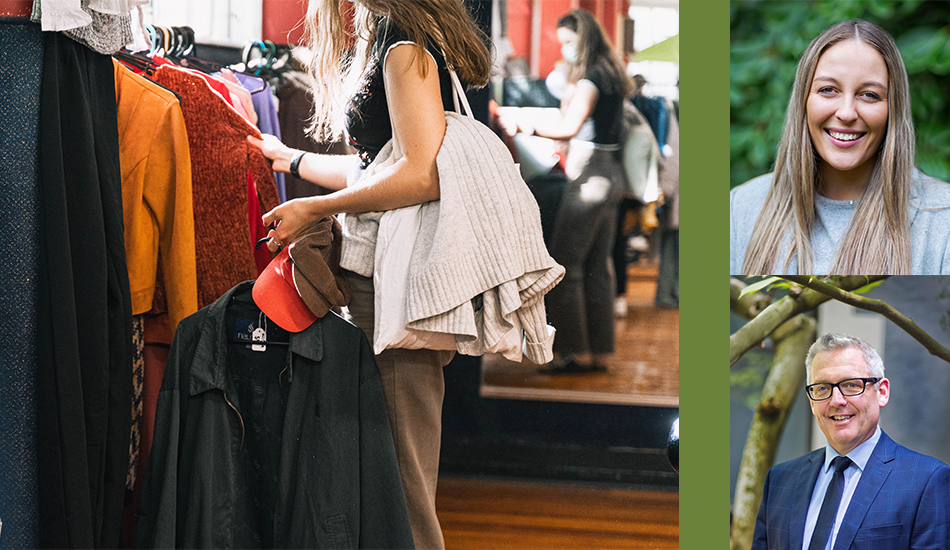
(767, 37)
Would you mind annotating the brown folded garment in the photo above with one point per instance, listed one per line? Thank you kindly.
(316, 258)
(303, 282)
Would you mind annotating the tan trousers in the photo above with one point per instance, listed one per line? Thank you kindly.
(414, 386)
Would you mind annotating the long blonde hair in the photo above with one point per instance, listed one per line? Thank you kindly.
(340, 53)
(878, 239)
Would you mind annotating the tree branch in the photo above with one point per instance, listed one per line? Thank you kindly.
(750, 305)
(781, 311)
(876, 306)
(784, 381)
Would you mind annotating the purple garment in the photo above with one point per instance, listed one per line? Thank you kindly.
(266, 116)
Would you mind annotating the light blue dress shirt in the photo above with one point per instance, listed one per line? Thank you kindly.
(860, 456)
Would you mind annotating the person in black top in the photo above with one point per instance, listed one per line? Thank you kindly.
(394, 84)
(581, 306)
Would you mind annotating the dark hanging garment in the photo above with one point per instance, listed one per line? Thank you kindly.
(286, 447)
(293, 113)
(21, 63)
(84, 332)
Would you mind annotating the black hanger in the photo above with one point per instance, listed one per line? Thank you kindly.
(261, 342)
(265, 321)
(254, 57)
(182, 47)
(279, 60)
(182, 41)
(198, 64)
(260, 88)
(146, 65)
(265, 59)
(140, 62)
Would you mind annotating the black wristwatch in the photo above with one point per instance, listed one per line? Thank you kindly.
(295, 164)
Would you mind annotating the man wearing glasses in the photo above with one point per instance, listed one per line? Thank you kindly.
(862, 490)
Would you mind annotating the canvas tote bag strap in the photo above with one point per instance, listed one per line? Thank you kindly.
(458, 97)
(458, 91)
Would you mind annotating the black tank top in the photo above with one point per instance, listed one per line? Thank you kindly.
(605, 121)
(368, 125)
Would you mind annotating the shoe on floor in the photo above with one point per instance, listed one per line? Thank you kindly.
(620, 306)
(570, 366)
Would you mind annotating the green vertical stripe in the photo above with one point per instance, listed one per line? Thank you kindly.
(704, 267)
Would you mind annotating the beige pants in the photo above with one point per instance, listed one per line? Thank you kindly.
(414, 386)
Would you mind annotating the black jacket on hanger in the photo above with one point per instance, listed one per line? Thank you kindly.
(287, 447)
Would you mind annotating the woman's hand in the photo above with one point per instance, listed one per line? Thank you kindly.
(327, 171)
(513, 120)
(508, 121)
(279, 154)
(291, 218)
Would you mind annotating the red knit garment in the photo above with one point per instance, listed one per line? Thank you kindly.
(221, 159)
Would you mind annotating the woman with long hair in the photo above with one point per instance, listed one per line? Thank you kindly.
(385, 77)
(845, 197)
(581, 306)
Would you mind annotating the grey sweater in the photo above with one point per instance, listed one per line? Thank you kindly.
(929, 230)
(480, 257)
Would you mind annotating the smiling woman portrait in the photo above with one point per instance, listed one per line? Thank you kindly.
(844, 196)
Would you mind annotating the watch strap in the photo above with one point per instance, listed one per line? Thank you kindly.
(295, 164)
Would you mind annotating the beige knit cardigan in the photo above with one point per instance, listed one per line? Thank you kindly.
(480, 257)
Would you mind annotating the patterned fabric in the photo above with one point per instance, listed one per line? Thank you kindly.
(101, 32)
(138, 382)
(21, 61)
(221, 159)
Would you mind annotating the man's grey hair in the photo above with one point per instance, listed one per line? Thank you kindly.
(832, 341)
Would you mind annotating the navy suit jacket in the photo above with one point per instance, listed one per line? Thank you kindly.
(901, 502)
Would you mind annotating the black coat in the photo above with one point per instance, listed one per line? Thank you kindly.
(333, 480)
(83, 311)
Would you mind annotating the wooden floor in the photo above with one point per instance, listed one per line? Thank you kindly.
(491, 513)
(496, 514)
(644, 370)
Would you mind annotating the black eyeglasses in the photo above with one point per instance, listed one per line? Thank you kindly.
(849, 388)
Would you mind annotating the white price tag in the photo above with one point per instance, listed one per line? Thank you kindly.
(259, 335)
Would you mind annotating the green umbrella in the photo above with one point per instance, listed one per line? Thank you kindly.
(668, 50)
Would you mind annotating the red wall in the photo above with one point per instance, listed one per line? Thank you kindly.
(520, 18)
(282, 20)
(519, 27)
(550, 51)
